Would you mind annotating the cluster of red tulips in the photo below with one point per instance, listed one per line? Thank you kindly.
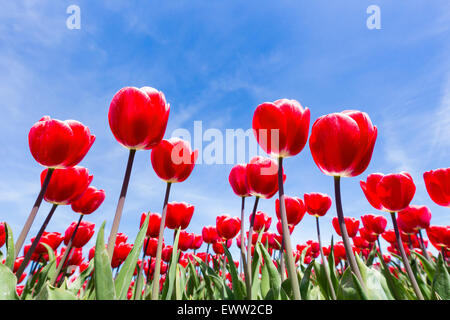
(271, 267)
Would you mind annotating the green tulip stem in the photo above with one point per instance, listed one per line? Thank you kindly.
(422, 246)
(325, 265)
(249, 250)
(243, 264)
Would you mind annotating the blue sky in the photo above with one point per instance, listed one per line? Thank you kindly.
(216, 61)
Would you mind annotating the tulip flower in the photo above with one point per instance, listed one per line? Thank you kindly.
(90, 201)
(83, 235)
(197, 242)
(209, 234)
(439, 237)
(317, 204)
(138, 120)
(262, 177)
(262, 221)
(218, 246)
(374, 223)
(437, 183)
(341, 146)
(121, 252)
(228, 227)
(2, 234)
(413, 219)
(173, 161)
(351, 224)
(295, 210)
(154, 223)
(54, 144)
(150, 246)
(185, 240)
(368, 235)
(179, 215)
(166, 253)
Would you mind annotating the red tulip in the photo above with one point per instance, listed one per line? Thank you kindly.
(262, 177)
(166, 253)
(439, 236)
(389, 236)
(392, 192)
(218, 246)
(281, 128)
(317, 204)
(66, 185)
(197, 242)
(121, 252)
(83, 235)
(280, 229)
(121, 237)
(91, 199)
(179, 215)
(238, 180)
(59, 144)
(138, 117)
(209, 234)
(368, 235)
(339, 251)
(360, 242)
(228, 227)
(2, 234)
(342, 143)
(262, 221)
(173, 160)
(351, 224)
(52, 239)
(150, 244)
(414, 218)
(75, 257)
(437, 183)
(185, 240)
(83, 266)
(295, 210)
(376, 224)
(154, 222)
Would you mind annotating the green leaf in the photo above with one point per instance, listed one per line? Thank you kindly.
(8, 283)
(359, 287)
(169, 283)
(274, 275)
(441, 281)
(428, 266)
(373, 281)
(346, 289)
(256, 282)
(49, 292)
(104, 283)
(48, 271)
(238, 290)
(76, 285)
(123, 280)
(10, 251)
(304, 284)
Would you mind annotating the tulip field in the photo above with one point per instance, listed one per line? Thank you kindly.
(188, 266)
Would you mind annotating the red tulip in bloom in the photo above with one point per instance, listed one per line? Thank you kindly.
(262, 177)
(138, 117)
(228, 227)
(66, 185)
(339, 251)
(179, 215)
(91, 199)
(351, 224)
(218, 246)
(342, 143)
(376, 224)
(121, 252)
(281, 127)
(368, 235)
(360, 242)
(173, 160)
(84, 234)
(238, 180)
(439, 236)
(166, 253)
(2, 234)
(83, 266)
(209, 234)
(437, 183)
(154, 222)
(317, 204)
(414, 218)
(52, 239)
(280, 229)
(389, 236)
(75, 257)
(262, 221)
(185, 240)
(197, 242)
(295, 210)
(150, 244)
(59, 144)
(392, 192)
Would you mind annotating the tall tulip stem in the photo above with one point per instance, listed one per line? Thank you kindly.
(120, 204)
(32, 215)
(243, 258)
(157, 272)
(422, 245)
(348, 248)
(292, 271)
(249, 249)
(405, 259)
(27, 257)
(325, 265)
(66, 253)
